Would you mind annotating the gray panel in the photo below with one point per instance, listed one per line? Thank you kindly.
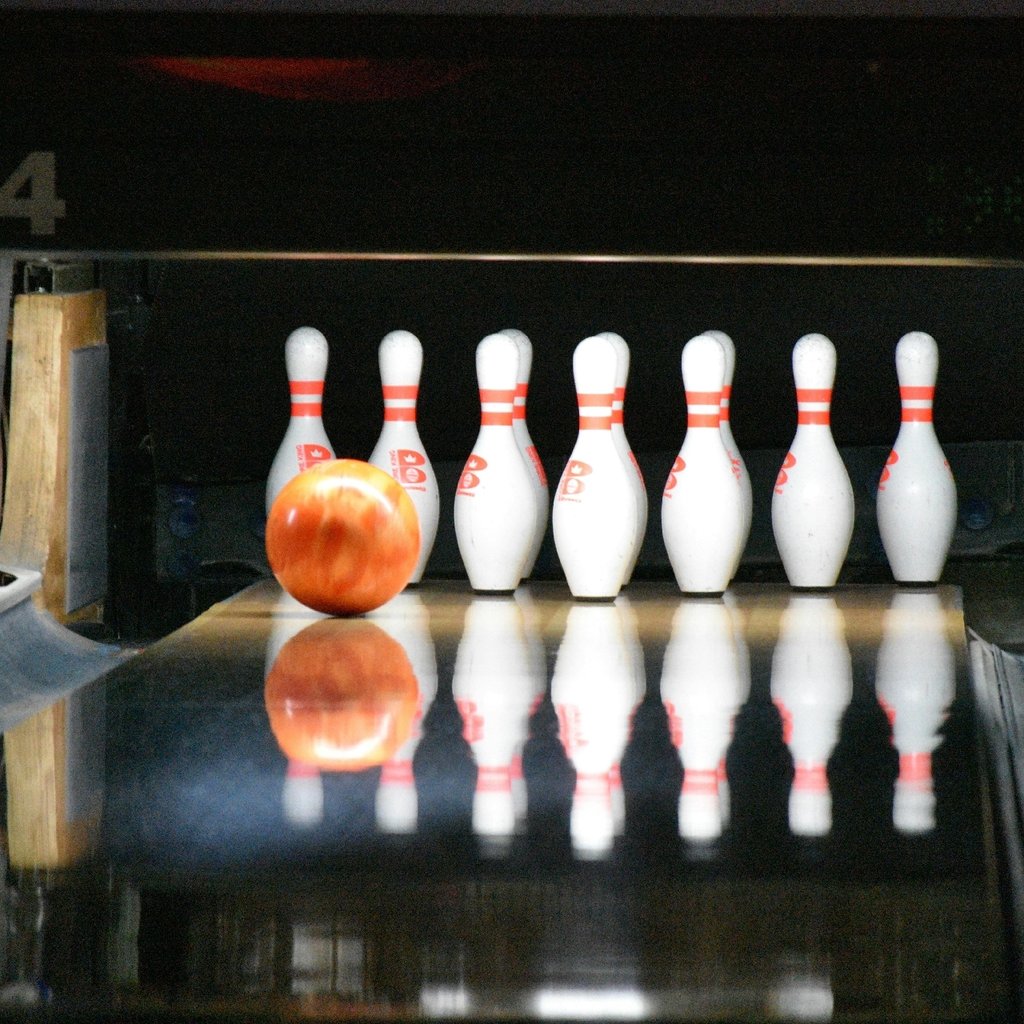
(87, 478)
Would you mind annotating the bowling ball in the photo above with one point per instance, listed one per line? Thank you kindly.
(343, 537)
(341, 695)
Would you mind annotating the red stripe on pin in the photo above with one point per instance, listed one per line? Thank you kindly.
(617, 416)
(496, 419)
(912, 393)
(815, 417)
(595, 423)
(814, 394)
(590, 401)
(398, 391)
(496, 395)
(306, 408)
(916, 415)
(306, 387)
(703, 397)
(703, 419)
(394, 414)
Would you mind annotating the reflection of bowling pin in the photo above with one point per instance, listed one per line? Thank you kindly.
(739, 467)
(594, 691)
(302, 796)
(305, 441)
(594, 519)
(702, 688)
(634, 652)
(915, 680)
(812, 506)
(701, 507)
(399, 450)
(494, 689)
(916, 502)
(739, 627)
(405, 618)
(538, 478)
(636, 478)
(812, 683)
(495, 509)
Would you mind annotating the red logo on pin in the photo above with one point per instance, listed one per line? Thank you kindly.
(572, 483)
(470, 474)
(677, 467)
(310, 454)
(780, 480)
(891, 461)
(531, 452)
(472, 721)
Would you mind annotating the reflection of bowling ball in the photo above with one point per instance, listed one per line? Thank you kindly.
(343, 537)
(341, 695)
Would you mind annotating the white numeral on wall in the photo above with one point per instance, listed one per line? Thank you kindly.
(31, 192)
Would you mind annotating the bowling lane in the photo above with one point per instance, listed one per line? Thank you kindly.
(769, 806)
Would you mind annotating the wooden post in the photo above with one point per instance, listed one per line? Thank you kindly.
(49, 826)
(47, 330)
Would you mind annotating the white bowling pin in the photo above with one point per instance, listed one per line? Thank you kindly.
(739, 467)
(916, 495)
(593, 689)
(702, 688)
(495, 690)
(399, 450)
(538, 477)
(812, 505)
(594, 519)
(702, 514)
(811, 685)
(636, 477)
(406, 619)
(495, 508)
(915, 681)
(305, 441)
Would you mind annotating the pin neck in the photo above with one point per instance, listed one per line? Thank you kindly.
(595, 411)
(496, 407)
(400, 402)
(813, 407)
(916, 403)
(704, 409)
(307, 397)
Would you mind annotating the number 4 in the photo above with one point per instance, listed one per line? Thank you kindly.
(31, 192)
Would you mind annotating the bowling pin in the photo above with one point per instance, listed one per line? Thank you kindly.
(495, 508)
(812, 506)
(593, 689)
(495, 690)
(701, 508)
(405, 617)
(538, 477)
(305, 441)
(916, 501)
(915, 681)
(399, 450)
(739, 467)
(594, 519)
(636, 477)
(702, 688)
(811, 686)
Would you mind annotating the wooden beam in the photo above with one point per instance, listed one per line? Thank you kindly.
(47, 329)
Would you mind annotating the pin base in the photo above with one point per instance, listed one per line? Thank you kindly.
(479, 591)
(703, 593)
(595, 598)
(824, 589)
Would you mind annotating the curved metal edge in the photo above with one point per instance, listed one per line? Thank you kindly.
(998, 682)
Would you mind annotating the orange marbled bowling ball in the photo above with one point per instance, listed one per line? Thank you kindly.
(341, 695)
(343, 537)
